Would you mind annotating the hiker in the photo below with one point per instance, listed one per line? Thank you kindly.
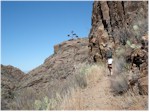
(109, 59)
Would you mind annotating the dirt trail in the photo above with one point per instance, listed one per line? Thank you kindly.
(98, 96)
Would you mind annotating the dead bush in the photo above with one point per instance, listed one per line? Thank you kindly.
(119, 84)
(119, 80)
(24, 100)
(85, 74)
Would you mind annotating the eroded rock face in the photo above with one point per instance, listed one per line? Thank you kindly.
(60, 65)
(56, 75)
(10, 77)
(121, 25)
(116, 22)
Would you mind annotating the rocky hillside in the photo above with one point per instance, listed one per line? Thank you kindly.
(122, 26)
(59, 66)
(10, 78)
(55, 76)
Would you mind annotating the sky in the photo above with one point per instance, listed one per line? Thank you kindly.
(29, 30)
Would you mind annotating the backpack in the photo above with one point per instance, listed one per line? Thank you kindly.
(109, 54)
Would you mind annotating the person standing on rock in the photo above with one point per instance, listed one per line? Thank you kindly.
(109, 59)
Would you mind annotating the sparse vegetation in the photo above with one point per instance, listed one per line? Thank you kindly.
(46, 103)
(28, 99)
(119, 84)
(111, 100)
(24, 100)
(69, 80)
(86, 73)
(119, 80)
(70, 96)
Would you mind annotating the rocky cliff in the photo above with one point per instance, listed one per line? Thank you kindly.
(122, 26)
(115, 23)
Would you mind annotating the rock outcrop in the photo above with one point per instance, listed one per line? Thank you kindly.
(61, 64)
(113, 23)
(122, 26)
(10, 78)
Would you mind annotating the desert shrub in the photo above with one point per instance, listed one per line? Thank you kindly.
(95, 72)
(119, 80)
(24, 99)
(52, 94)
(46, 103)
(80, 74)
(28, 99)
(119, 66)
(119, 84)
(120, 51)
(81, 81)
(86, 73)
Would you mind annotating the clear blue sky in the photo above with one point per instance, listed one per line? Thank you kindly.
(31, 29)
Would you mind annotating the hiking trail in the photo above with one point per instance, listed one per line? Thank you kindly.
(98, 96)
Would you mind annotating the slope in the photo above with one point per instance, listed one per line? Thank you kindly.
(55, 76)
(98, 95)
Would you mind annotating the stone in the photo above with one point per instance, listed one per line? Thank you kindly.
(122, 25)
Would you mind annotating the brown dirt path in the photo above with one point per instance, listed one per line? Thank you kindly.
(98, 96)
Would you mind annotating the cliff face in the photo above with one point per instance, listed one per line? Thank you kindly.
(119, 21)
(122, 26)
(119, 25)
(115, 23)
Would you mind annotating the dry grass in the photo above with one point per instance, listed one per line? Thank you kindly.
(119, 80)
(89, 74)
(24, 100)
(86, 73)
(30, 99)
(130, 102)
(109, 101)
(95, 72)
(69, 96)
(119, 84)
(73, 102)
(121, 102)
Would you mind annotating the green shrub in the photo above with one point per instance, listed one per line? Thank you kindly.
(47, 104)
(80, 75)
